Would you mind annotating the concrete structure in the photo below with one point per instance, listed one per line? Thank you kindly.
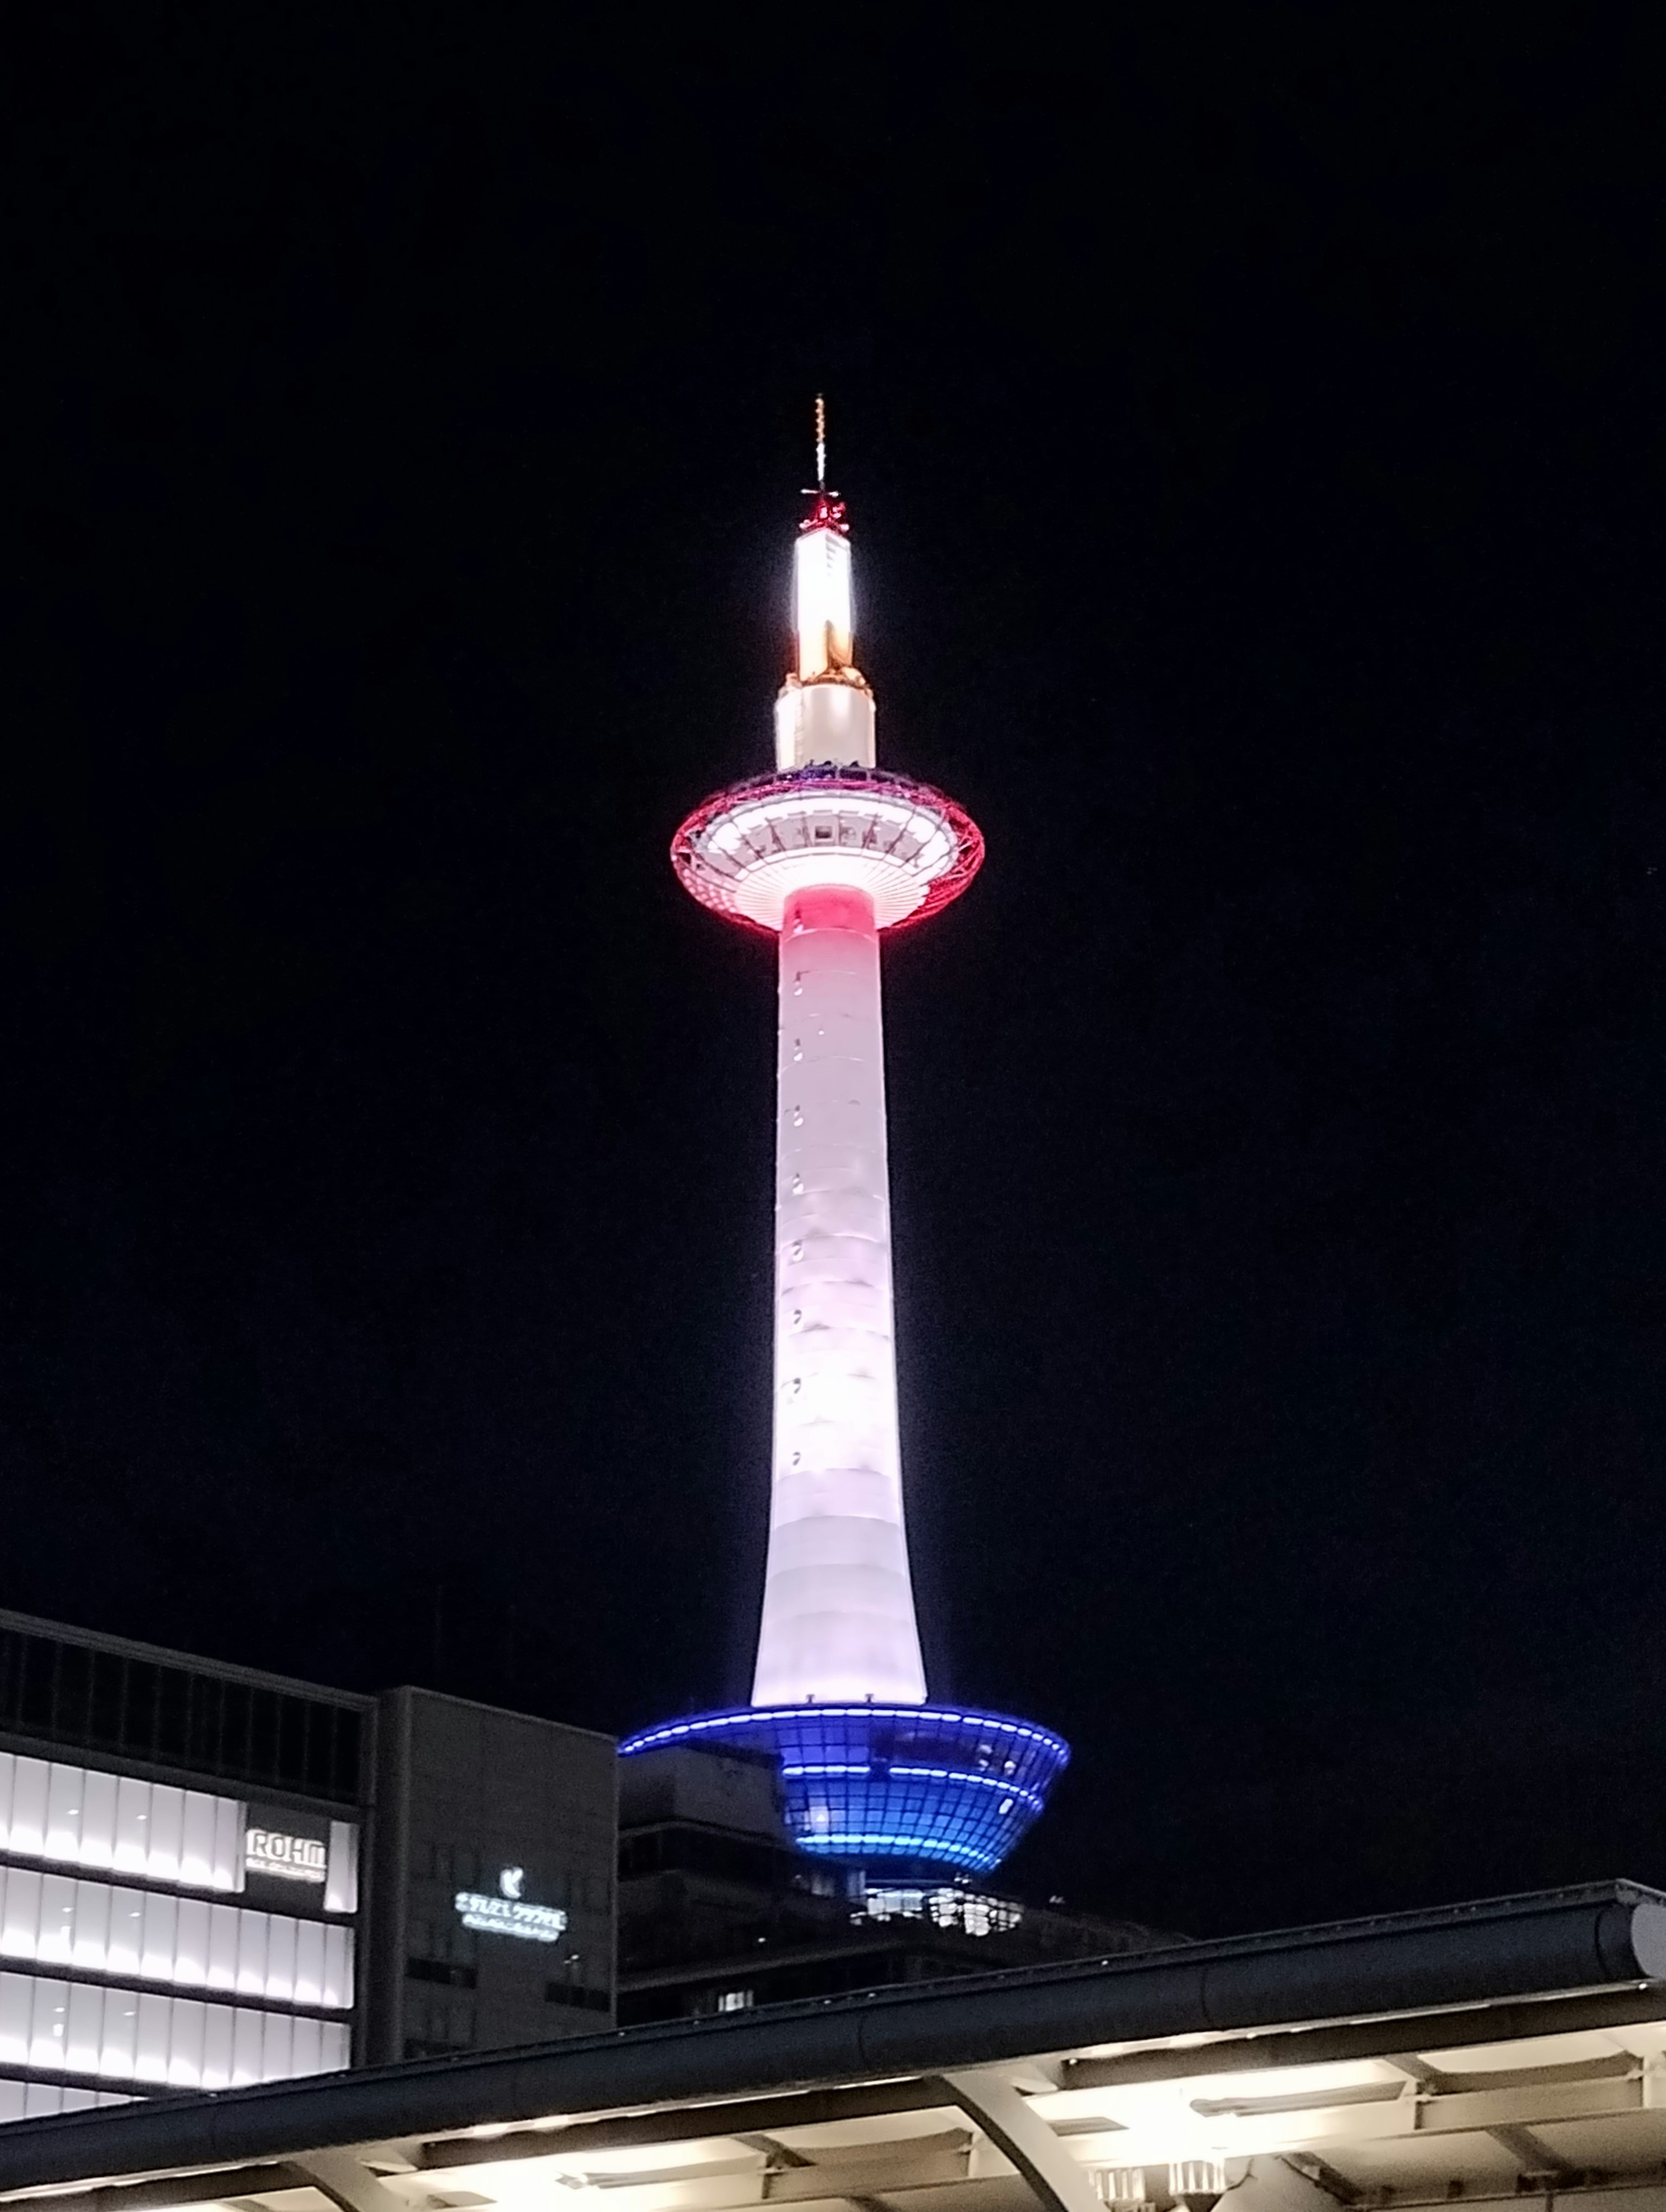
(1482, 2055)
(719, 1912)
(494, 1847)
(211, 1875)
(824, 856)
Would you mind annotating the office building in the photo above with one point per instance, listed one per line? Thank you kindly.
(212, 1876)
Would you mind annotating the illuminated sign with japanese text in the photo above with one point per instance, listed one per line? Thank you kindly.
(508, 1913)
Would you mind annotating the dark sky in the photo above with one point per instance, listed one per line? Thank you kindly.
(1253, 426)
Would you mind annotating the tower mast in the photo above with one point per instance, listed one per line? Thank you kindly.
(824, 854)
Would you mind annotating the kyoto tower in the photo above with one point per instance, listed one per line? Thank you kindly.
(825, 853)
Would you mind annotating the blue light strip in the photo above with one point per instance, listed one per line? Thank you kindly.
(956, 1775)
(868, 1784)
(852, 1846)
(990, 1724)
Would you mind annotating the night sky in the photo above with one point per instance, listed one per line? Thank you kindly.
(1254, 431)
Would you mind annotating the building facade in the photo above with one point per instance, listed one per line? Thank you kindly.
(181, 1846)
(494, 1909)
(190, 1853)
(720, 1913)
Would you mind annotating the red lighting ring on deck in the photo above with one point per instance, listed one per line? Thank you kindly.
(704, 880)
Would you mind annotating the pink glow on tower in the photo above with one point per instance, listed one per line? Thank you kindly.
(829, 852)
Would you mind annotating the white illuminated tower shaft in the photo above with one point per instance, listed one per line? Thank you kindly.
(825, 853)
(838, 1607)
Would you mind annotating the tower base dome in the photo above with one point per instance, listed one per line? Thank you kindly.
(869, 1784)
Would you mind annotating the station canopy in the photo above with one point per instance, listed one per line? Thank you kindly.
(1488, 2052)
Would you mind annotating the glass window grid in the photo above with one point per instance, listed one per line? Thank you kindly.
(872, 1783)
(81, 1816)
(44, 2100)
(182, 2043)
(97, 1928)
(100, 1700)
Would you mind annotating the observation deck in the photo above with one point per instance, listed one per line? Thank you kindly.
(748, 848)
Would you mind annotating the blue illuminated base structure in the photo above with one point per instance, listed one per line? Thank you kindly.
(869, 1785)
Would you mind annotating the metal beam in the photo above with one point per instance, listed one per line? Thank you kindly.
(348, 2185)
(211, 2188)
(1279, 2185)
(1469, 2024)
(1022, 2135)
(740, 2117)
(914, 2162)
(1533, 2156)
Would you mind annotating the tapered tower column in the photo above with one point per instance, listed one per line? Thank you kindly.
(838, 1608)
(828, 853)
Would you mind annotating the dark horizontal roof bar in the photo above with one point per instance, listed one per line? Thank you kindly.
(1560, 1942)
(186, 1663)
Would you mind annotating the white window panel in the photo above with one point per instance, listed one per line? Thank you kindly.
(94, 1902)
(100, 1928)
(161, 1937)
(246, 2045)
(167, 1825)
(48, 2025)
(126, 1931)
(218, 2025)
(54, 1945)
(197, 1849)
(278, 2045)
(281, 1957)
(187, 2026)
(132, 1824)
(119, 2046)
(82, 1816)
(229, 1821)
(36, 2100)
(190, 1953)
(28, 1833)
(83, 2042)
(339, 1967)
(309, 1963)
(20, 1922)
(341, 1880)
(16, 2000)
(98, 1821)
(65, 1788)
(150, 2063)
(305, 2054)
(222, 1946)
(252, 1928)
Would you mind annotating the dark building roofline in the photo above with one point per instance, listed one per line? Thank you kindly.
(160, 1654)
(1560, 1942)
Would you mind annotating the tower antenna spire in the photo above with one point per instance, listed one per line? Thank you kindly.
(821, 443)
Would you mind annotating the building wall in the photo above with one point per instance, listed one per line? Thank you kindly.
(161, 1925)
(493, 1882)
